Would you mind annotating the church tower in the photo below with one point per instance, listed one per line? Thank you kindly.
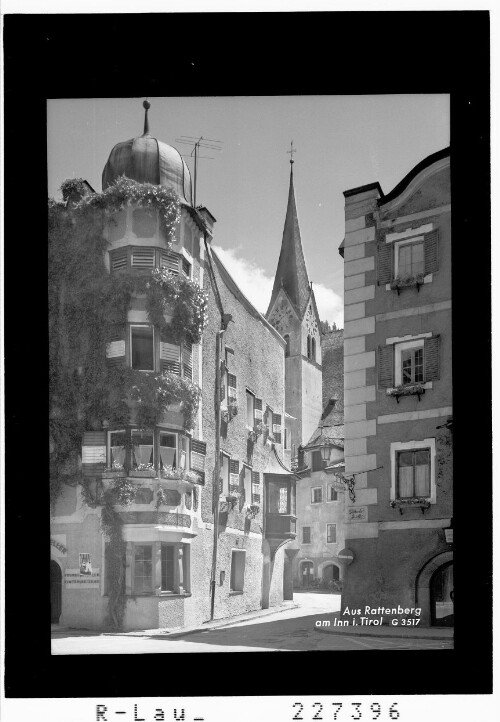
(293, 313)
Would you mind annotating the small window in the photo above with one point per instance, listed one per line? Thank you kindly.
(117, 449)
(333, 494)
(142, 449)
(237, 570)
(410, 260)
(250, 409)
(331, 533)
(142, 348)
(309, 347)
(143, 569)
(168, 450)
(412, 365)
(317, 461)
(306, 535)
(413, 473)
(287, 346)
(224, 474)
(167, 567)
(186, 268)
(247, 484)
(313, 349)
(316, 495)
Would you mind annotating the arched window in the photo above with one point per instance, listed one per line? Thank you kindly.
(313, 349)
(308, 347)
(287, 347)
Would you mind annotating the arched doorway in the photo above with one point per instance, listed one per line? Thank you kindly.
(441, 590)
(307, 574)
(55, 592)
(423, 586)
(331, 573)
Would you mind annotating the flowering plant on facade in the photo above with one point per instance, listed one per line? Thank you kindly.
(259, 428)
(123, 492)
(180, 297)
(411, 501)
(407, 279)
(252, 510)
(144, 467)
(232, 408)
(407, 390)
(154, 393)
(170, 472)
(125, 191)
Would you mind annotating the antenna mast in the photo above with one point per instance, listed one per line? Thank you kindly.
(198, 143)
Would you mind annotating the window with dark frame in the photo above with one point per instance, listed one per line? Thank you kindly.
(224, 473)
(142, 348)
(316, 494)
(167, 567)
(333, 494)
(413, 473)
(412, 365)
(237, 581)
(331, 533)
(306, 535)
(250, 409)
(143, 568)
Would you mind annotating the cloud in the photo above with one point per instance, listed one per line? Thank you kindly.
(257, 286)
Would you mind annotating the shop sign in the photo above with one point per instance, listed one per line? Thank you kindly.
(357, 513)
(74, 580)
(58, 542)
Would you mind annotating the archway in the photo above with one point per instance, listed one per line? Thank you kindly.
(331, 573)
(306, 574)
(423, 584)
(55, 592)
(441, 592)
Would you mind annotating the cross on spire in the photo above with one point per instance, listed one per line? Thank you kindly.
(291, 152)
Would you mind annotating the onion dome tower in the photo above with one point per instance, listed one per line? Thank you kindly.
(148, 160)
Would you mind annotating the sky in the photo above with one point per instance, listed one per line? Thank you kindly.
(341, 142)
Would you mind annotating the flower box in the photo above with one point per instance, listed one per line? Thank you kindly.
(413, 501)
(252, 510)
(407, 390)
(114, 474)
(407, 281)
(142, 473)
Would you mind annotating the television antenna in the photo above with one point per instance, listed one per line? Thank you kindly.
(198, 143)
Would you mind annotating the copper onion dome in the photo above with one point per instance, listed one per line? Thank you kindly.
(147, 160)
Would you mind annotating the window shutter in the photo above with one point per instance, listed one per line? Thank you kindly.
(118, 259)
(187, 360)
(93, 452)
(234, 475)
(257, 411)
(222, 392)
(115, 347)
(231, 386)
(386, 366)
(432, 358)
(256, 489)
(385, 263)
(277, 428)
(186, 268)
(143, 257)
(169, 261)
(170, 355)
(431, 250)
(198, 456)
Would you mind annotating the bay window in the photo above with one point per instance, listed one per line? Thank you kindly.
(156, 566)
(142, 448)
(117, 449)
(143, 569)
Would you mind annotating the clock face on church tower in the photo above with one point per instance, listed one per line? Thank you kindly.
(310, 321)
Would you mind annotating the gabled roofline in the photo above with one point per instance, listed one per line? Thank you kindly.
(292, 305)
(236, 291)
(399, 188)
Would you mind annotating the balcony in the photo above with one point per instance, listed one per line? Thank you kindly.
(281, 526)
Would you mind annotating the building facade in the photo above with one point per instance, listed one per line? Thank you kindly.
(398, 393)
(133, 544)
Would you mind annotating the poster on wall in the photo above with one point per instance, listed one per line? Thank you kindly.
(85, 564)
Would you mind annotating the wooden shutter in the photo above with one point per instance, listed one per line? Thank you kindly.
(432, 358)
(115, 347)
(143, 257)
(170, 355)
(170, 261)
(431, 251)
(118, 259)
(234, 475)
(198, 456)
(231, 386)
(386, 366)
(277, 428)
(256, 488)
(385, 260)
(257, 411)
(93, 453)
(187, 360)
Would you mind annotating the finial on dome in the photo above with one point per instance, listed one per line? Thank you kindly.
(146, 105)
(291, 152)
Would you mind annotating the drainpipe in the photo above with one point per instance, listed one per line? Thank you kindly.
(215, 489)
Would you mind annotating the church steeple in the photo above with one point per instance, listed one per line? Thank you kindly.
(292, 272)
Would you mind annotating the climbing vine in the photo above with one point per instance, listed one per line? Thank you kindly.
(85, 305)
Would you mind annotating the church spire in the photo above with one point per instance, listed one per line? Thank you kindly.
(292, 272)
